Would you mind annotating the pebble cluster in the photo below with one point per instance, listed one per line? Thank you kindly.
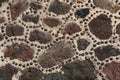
(59, 40)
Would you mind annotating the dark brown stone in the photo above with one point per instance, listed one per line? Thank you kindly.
(31, 74)
(101, 27)
(112, 70)
(17, 9)
(80, 70)
(14, 30)
(30, 18)
(118, 29)
(59, 8)
(19, 51)
(71, 28)
(56, 54)
(35, 5)
(2, 19)
(51, 22)
(41, 37)
(107, 4)
(7, 72)
(104, 52)
(1, 37)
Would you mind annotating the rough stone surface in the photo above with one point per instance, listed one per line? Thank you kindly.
(7, 71)
(79, 70)
(56, 54)
(82, 44)
(35, 5)
(53, 76)
(112, 70)
(2, 19)
(30, 18)
(101, 27)
(31, 74)
(104, 52)
(41, 37)
(17, 9)
(14, 30)
(107, 4)
(71, 28)
(19, 51)
(51, 22)
(118, 29)
(82, 13)
(59, 8)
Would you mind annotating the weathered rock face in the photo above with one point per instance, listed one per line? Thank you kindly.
(14, 30)
(7, 72)
(82, 44)
(41, 37)
(112, 70)
(82, 13)
(118, 29)
(104, 52)
(53, 76)
(51, 22)
(35, 5)
(30, 18)
(59, 8)
(17, 9)
(19, 51)
(107, 4)
(31, 74)
(56, 54)
(79, 70)
(101, 27)
(71, 28)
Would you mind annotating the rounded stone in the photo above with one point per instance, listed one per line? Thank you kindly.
(14, 30)
(7, 72)
(59, 8)
(19, 51)
(40, 36)
(112, 70)
(80, 70)
(71, 28)
(31, 73)
(56, 54)
(103, 52)
(101, 27)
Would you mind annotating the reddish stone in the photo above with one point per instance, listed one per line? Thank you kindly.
(112, 70)
(31, 74)
(17, 9)
(7, 72)
(52, 22)
(71, 28)
(104, 52)
(107, 4)
(118, 29)
(2, 19)
(56, 54)
(101, 27)
(14, 30)
(19, 51)
(41, 37)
